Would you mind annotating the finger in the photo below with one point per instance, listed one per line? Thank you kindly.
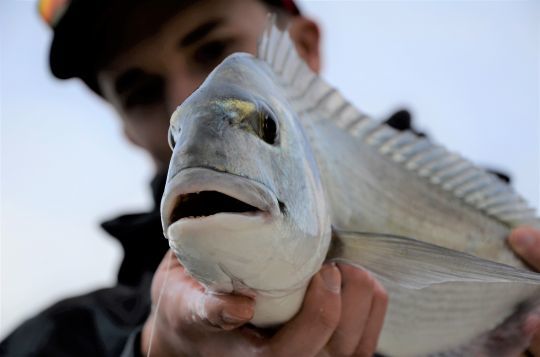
(372, 331)
(224, 311)
(356, 297)
(203, 310)
(532, 329)
(309, 331)
(526, 243)
(187, 306)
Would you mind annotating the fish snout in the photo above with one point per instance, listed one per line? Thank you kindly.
(199, 138)
(200, 192)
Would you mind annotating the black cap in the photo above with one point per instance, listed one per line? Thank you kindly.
(80, 27)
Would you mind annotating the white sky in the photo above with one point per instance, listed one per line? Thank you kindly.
(468, 70)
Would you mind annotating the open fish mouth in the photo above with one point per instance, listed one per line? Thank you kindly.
(208, 203)
(197, 193)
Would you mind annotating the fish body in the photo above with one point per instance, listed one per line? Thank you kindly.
(234, 149)
(269, 162)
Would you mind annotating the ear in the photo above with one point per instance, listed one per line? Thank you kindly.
(306, 36)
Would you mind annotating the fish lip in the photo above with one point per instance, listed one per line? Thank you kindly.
(197, 179)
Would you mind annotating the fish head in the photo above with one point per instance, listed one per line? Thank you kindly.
(244, 208)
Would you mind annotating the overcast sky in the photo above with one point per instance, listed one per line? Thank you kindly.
(468, 70)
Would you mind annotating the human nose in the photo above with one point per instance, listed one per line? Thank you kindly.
(179, 87)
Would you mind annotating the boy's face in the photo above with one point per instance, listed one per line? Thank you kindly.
(146, 83)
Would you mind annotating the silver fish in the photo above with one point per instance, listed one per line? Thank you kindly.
(273, 172)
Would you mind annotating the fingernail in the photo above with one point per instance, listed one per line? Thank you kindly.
(236, 316)
(330, 276)
(522, 242)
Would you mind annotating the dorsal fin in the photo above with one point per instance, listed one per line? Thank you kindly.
(309, 93)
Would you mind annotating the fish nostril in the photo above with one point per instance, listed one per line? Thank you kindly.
(171, 140)
(282, 208)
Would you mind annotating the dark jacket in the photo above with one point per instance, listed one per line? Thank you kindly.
(105, 322)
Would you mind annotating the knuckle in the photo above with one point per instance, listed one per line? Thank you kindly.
(368, 281)
(380, 293)
(208, 314)
(358, 277)
(328, 319)
(200, 313)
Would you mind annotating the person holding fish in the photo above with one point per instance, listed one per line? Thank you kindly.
(145, 59)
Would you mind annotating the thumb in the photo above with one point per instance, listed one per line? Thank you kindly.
(224, 312)
(187, 305)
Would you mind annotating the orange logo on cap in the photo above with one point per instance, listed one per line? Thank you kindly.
(51, 11)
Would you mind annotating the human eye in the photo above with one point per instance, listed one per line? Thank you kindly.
(211, 53)
(147, 92)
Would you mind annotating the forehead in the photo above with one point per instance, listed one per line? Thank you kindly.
(189, 21)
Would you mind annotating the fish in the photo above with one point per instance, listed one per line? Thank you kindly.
(275, 172)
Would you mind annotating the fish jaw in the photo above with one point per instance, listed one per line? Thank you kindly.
(226, 250)
(274, 250)
(198, 179)
(249, 253)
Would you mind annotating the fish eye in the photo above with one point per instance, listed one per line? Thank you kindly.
(269, 128)
(170, 138)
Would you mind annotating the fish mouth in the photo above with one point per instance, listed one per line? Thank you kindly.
(200, 193)
(208, 203)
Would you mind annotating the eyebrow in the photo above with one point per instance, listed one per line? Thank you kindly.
(199, 32)
(128, 79)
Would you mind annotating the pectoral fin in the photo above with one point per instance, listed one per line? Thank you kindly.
(415, 264)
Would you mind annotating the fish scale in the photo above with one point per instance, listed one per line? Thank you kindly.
(431, 318)
(466, 303)
(426, 222)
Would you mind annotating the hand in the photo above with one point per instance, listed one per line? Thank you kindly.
(363, 308)
(526, 243)
(333, 320)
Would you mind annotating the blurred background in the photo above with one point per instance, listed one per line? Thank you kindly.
(469, 71)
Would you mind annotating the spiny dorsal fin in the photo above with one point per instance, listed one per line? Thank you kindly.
(309, 94)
